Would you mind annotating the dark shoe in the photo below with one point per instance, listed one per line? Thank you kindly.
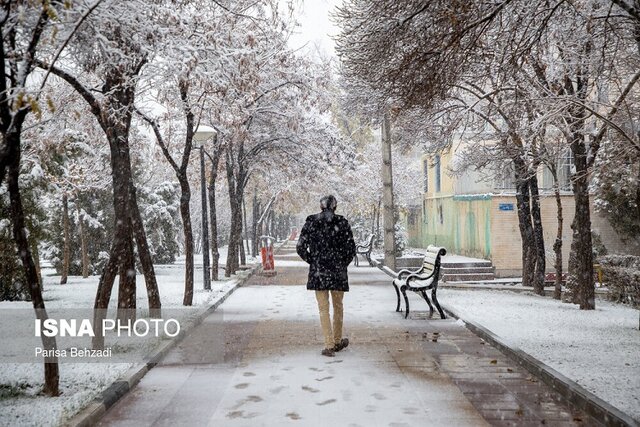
(327, 352)
(344, 343)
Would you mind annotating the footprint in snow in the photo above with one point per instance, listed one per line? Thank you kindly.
(293, 415)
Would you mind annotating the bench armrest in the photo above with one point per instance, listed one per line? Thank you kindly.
(407, 271)
(418, 276)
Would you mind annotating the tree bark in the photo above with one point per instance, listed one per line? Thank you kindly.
(245, 235)
(185, 214)
(146, 261)
(523, 202)
(254, 226)
(127, 280)
(581, 245)
(373, 220)
(233, 184)
(387, 194)
(557, 245)
(51, 372)
(540, 259)
(213, 215)
(378, 211)
(243, 255)
(36, 261)
(83, 244)
(66, 250)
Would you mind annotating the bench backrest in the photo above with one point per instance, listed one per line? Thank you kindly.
(370, 239)
(432, 259)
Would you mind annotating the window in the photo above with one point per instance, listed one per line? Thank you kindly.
(436, 165)
(425, 175)
(566, 167)
(505, 178)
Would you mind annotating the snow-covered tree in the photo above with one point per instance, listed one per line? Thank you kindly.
(108, 52)
(29, 28)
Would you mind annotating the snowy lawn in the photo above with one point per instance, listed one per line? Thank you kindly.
(21, 383)
(598, 349)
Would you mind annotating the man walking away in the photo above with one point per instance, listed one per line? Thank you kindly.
(326, 244)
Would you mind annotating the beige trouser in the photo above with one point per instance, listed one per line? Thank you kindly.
(330, 337)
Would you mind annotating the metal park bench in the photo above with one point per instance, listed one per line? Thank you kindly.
(421, 280)
(365, 249)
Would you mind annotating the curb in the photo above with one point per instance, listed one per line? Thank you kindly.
(574, 393)
(95, 410)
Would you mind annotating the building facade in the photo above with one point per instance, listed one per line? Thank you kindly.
(476, 216)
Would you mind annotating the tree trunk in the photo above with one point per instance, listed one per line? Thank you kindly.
(36, 261)
(232, 252)
(66, 250)
(245, 235)
(254, 226)
(213, 215)
(581, 245)
(121, 254)
(127, 281)
(146, 261)
(373, 220)
(243, 255)
(523, 202)
(557, 245)
(270, 222)
(387, 192)
(83, 244)
(540, 260)
(51, 372)
(235, 235)
(188, 239)
(378, 211)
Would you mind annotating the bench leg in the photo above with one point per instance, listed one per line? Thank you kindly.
(369, 259)
(426, 298)
(406, 301)
(435, 301)
(398, 295)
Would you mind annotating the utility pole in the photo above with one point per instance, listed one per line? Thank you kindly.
(387, 196)
(205, 226)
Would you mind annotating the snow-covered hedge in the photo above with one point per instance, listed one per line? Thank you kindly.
(622, 274)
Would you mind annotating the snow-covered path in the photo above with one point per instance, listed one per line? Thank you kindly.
(257, 362)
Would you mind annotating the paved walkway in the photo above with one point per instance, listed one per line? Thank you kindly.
(257, 362)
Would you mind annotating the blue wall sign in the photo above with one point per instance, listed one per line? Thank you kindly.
(505, 206)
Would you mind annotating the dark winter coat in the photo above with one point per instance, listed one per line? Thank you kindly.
(326, 244)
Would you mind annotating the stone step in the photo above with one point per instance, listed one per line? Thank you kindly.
(473, 264)
(467, 270)
(468, 277)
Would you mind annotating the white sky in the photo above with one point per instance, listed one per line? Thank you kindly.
(315, 25)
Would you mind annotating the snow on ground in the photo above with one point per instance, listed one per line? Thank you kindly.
(21, 383)
(598, 349)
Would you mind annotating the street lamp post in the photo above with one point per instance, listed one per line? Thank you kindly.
(202, 134)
